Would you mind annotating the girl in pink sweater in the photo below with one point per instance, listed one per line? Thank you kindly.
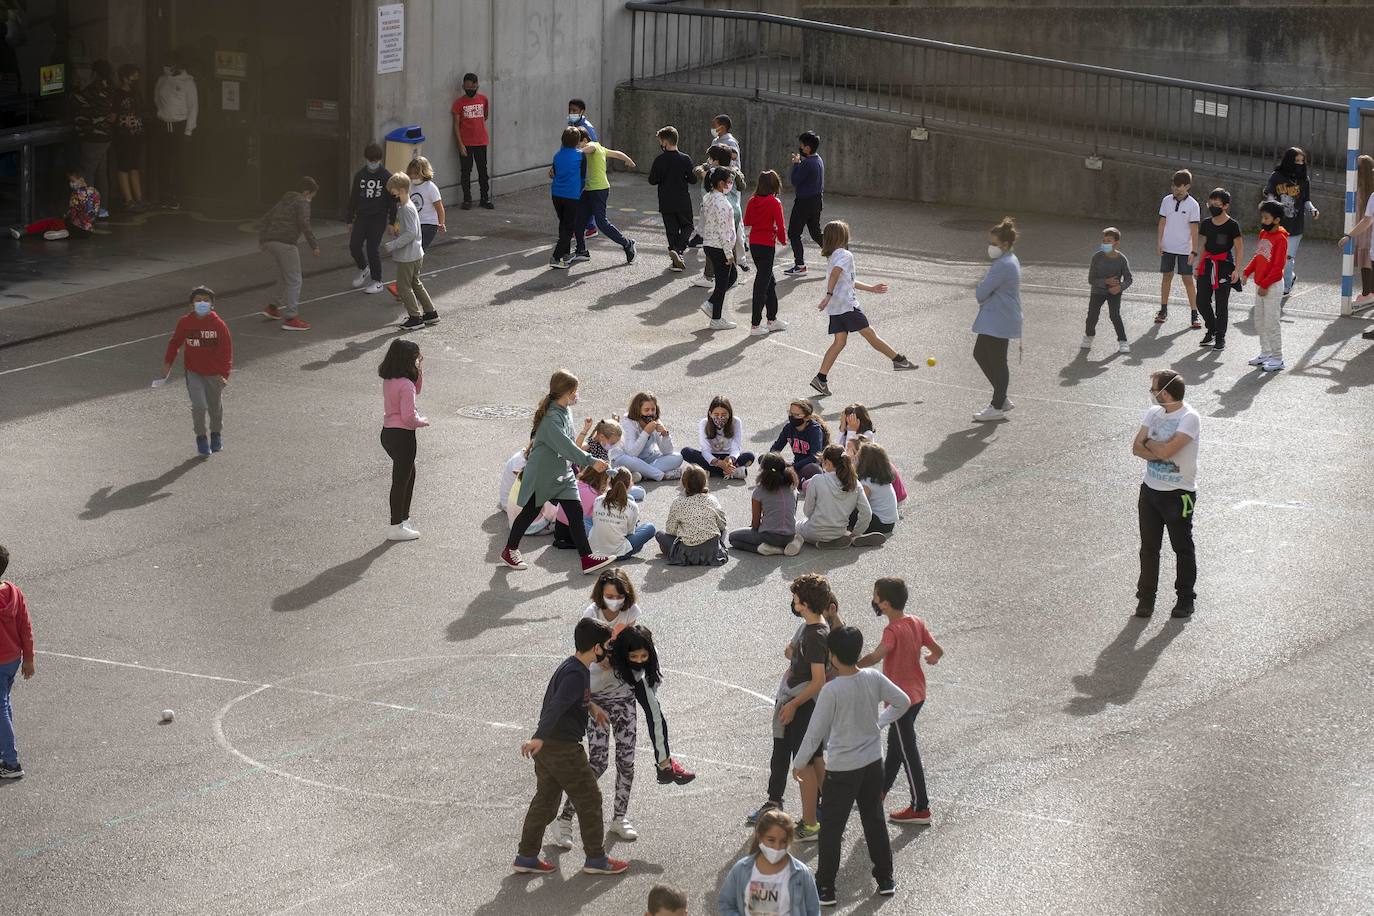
(401, 381)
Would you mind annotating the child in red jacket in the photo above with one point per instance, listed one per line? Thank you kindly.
(763, 219)
(16, 656)
(1266, 269)
(209, 358)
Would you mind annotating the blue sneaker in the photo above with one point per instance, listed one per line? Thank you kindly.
(216, 442)
(533, 865)
(203, 445)
(605, 866)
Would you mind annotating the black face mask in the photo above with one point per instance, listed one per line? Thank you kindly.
(1268, 227)
(796, 421)
(1214, 210)
(793, 609)
(469, 92)
(601, 656)
(877, 609)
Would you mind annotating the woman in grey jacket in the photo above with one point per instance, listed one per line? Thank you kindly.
(409, 255)
(769, 875)
(999, 318)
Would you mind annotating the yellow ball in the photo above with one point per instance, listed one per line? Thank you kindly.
(930, 361)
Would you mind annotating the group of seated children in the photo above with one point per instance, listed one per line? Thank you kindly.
(849, 488)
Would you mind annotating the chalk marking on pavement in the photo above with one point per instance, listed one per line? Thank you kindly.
(335, 889)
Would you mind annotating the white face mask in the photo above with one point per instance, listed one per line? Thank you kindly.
(614, 604)
(995, 251)
(774, 856)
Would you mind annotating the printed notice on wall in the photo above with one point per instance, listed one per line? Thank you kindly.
(391, 38)
(229, 95)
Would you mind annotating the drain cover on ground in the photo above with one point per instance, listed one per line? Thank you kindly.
(495, 412)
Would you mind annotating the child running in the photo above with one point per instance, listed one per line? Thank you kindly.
(721, 437)
(671, 173)
(836, 505)
(696, 523)
(773, 524)
(763, 219)
(806, 434)
(900, 652)
(209, 360)
(548, 475)
(647, 449)
(616, 530)
(560, 762)
(569, 172)
(847, 723)
(16, 657)
(596, 191)
(842, 305)
(1109, 275)
(718, 235)
(613, 603)
(636, 662)
(769, 881)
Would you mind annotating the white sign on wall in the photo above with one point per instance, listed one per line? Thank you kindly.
(391, 38)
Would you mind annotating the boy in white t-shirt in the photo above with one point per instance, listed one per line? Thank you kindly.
(1179, 217)
(1167, 440)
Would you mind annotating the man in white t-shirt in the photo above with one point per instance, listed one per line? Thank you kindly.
(1179, 217)
(1167, 440)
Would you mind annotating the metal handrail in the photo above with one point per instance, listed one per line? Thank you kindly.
(657, 6)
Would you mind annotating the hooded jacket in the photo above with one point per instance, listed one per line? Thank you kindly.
(1266, 267)
(176, 99)
(16, 633)
(1288, 185)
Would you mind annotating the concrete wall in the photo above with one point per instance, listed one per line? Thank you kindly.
(874, 158)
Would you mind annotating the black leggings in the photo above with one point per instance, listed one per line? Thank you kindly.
(400, 445)
(806, 214)
(725, 277)
(765, 286)
(1095, 300)
(991, 355)
(572, 508)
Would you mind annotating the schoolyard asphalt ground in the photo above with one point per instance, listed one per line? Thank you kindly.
(349, 711)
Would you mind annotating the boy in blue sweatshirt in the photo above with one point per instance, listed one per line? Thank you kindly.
(560, 760)
(848, 722)
(808, 182)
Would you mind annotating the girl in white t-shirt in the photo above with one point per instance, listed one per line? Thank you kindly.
(424, 194)
(842, 305)
(875, 475)
(856, 429)
(616, 530)
(769, 881)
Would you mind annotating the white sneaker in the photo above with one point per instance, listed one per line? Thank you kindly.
(703, 282)
(793, 548)
(636, 477)
(673, 474)
(1123, 346)
(1007, 405)
(768, 550)
(624, 829)
(722, 324)
(1260, 360)
(707, 308)
(1087, 343)
(563, 833)
(741, 474)
(988, 414)
(374, 289)
(776, 325)
(1273, 364)
(759, 331)
(361, 278)
(409, 526)
(401, 533)
(56, 235)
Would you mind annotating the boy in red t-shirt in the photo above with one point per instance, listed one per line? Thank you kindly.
(470, 113)
(900, 652)
(209, 359)
(16, 657)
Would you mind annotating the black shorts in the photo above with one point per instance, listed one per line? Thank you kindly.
(848, 322)
(128, 152)
(1169, 262)
(795, 731)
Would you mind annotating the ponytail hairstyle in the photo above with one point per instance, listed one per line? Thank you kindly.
(593, 478)
(618, 496)
(561, 383)
(860, 413)
(1005, 231)
(844, 467)
(728, 430)
(809, 409)
(633, 639)
(873, 464)
(610, 429)
(775, 473)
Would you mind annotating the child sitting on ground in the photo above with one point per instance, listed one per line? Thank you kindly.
(692, 534)
(82, 207)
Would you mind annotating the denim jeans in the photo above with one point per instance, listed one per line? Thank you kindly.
(594, 209)
(642, 535)
(9, 755)
(653, 469)
(1290, 267)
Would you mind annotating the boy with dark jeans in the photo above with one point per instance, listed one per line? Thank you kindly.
(1223, 250)
(16, 657)
(560, 760)
(1168, 441)
(471, 112)
(596, 191)
(1109, 275)
(900, 652)
(846, 720)
(672, 172)
(370, 210)
(808, 182)
(568, 172)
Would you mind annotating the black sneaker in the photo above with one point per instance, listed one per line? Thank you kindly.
(11, 772)
(411, 323)
(827, 895)
(467, 205)
(1220, 344)
(430, 319)
(1144, 608)
(901, 362)
(796, 270)
(488, 205)
(1195, 322)
(1208, 339)
(695, 241)
(1161, 316)
(1184, 608)
(629, 251)
(1367, 335)
(819, 384)
(887, 887)
(579, 256)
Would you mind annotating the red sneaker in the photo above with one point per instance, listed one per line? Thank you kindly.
(675, 772)
(590, 232)
(272, 312)
(513, 559)
(533, 865)
(391, 288)
(592, 563)
(910, 815)
(294, 324)
(605, 866)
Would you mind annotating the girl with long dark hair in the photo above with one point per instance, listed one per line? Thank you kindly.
(402, 378)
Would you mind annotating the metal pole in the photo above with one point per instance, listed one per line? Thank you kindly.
(634, 22)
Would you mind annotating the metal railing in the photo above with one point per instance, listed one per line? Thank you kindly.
(1078, 107)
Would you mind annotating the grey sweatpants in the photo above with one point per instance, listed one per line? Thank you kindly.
(288, 292)
(205, 391)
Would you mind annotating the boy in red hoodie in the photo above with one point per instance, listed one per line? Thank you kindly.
(209, 358)
(1266, 269)
(16, 656)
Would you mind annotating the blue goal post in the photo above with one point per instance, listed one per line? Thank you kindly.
(1358, 110)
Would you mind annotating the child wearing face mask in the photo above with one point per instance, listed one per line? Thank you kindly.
(208, 362)
(770, 881)
(647, 449)
(671, 173)
(83, 205)
(721, 437)
(370, 209)
(508, 496)
(613, 603)
(719, 157)
(636, 662)
(718, 232)
(470, 113)
(601, 439)
(1109, 275)
(692, 535)
(409, 254)
(806, 434)
(616, 530)
(1266, 271)
(1223, 251)
(837, 504)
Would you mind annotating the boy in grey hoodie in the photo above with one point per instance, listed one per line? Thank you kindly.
(409, 255)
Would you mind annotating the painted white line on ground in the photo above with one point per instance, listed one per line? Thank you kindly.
(334, 890)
